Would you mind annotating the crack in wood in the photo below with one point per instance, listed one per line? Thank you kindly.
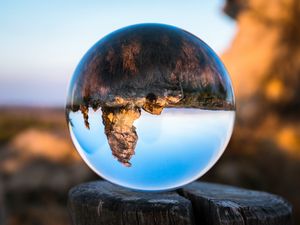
(102, 203)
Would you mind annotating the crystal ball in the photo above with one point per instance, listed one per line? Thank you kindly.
(150, 107)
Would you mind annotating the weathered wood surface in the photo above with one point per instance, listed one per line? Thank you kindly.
(222, 204)
(102, 203)
(1, 205)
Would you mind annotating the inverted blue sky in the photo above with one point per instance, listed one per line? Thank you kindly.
(42, 41)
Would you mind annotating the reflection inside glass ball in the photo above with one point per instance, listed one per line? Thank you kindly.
(150, 107)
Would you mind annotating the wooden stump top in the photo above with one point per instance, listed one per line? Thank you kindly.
(103, 203)
(223, 204)
(2, 217)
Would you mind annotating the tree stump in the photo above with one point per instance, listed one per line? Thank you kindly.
(102, 203)
(1, 205)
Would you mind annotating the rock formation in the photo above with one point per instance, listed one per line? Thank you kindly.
(146, 67)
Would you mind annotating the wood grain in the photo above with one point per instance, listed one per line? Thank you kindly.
(102, 203)
(2, 219)
(221, 204)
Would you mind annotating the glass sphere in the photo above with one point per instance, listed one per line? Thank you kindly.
(150, 107)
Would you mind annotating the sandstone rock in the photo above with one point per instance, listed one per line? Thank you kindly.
(120, 132)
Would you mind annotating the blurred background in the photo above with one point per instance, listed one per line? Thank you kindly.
(42, 42)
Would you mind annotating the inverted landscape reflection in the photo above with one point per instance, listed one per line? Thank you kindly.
(174, 148)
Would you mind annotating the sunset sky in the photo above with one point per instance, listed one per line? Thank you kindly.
(42, 41)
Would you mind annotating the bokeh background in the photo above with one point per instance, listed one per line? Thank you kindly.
(42, 42)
